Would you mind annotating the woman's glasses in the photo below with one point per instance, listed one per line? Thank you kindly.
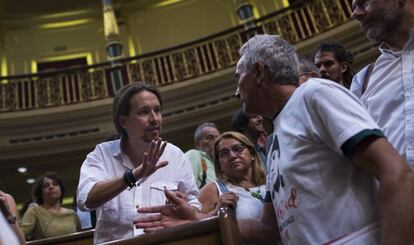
(236, 149)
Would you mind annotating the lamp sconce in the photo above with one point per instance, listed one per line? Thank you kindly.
(114, 49)
(244, 10)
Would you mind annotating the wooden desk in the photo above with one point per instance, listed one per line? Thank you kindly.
(78, 238)
(222, 229)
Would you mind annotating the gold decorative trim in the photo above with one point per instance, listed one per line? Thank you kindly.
(312, 18)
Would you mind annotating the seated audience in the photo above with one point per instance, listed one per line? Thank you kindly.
(307, 69)
(201, 157)
(49, 218)
(10, 232)
(241, 178)
(334, 63)
(133, 171)
(252, 127)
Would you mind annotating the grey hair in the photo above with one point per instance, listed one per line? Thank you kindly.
(199, 130)
(277, 54)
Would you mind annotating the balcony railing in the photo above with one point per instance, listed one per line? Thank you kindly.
(214, 53)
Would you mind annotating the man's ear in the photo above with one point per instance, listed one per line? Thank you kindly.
(261, 71)
(313, 74)
(344, 67)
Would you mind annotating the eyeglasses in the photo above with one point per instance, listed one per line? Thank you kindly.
(236, 149)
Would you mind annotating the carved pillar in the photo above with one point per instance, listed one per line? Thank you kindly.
(3, 64)
(113, 46)
(111, 31)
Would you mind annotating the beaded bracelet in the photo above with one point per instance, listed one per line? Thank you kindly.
(129, 179)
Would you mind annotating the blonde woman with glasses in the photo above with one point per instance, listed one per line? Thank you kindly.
(240, 178)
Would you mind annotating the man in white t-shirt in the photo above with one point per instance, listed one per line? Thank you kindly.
(386, 87)
(323, 177)
(332, 174)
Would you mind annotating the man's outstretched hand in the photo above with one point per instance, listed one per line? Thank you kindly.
(176, 212)
(150, 160)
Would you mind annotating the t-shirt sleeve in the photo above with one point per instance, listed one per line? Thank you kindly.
(339, 116)
(349, 145)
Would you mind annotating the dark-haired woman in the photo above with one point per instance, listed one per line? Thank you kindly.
(49, 219)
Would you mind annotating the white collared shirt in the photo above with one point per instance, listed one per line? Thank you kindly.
(7, 235)
(389, 96)
(115, 217)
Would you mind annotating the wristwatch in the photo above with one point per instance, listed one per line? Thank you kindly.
(12, 218)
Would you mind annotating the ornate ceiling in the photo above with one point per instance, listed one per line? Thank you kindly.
(15, 8)
(28, 7)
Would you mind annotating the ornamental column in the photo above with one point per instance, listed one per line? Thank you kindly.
(113, 45)
(111, 31)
